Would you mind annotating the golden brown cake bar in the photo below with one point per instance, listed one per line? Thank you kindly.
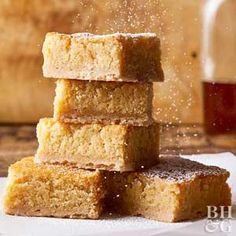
(103, 102)
(113, 57)
(174, 190)
(108, 147)
(53, 190)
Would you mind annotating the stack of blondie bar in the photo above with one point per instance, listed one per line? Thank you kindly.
(99, 153)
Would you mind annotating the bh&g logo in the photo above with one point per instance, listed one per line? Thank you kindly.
(219, 219)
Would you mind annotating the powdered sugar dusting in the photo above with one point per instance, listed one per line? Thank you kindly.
(116, 35)
(179, 170)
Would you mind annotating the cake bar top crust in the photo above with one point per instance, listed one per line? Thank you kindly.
(26, 165)
(112, 57)
(178, 169)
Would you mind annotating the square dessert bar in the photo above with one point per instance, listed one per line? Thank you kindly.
(96, 146)
(103, 102)
(53, 190)
(113, 57)
(174, 190)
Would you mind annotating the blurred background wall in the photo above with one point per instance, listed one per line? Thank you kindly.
(25, 96)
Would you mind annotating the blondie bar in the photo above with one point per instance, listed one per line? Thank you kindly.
(103, 102)
(174, 190)
(108, 147)
(113, 57)
(53, 190)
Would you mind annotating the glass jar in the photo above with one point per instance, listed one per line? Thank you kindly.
(219, 71)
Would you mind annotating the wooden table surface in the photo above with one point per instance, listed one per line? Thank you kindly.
(20, 140)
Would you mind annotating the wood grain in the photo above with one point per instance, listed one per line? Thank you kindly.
(15, 142)
(20, 141)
